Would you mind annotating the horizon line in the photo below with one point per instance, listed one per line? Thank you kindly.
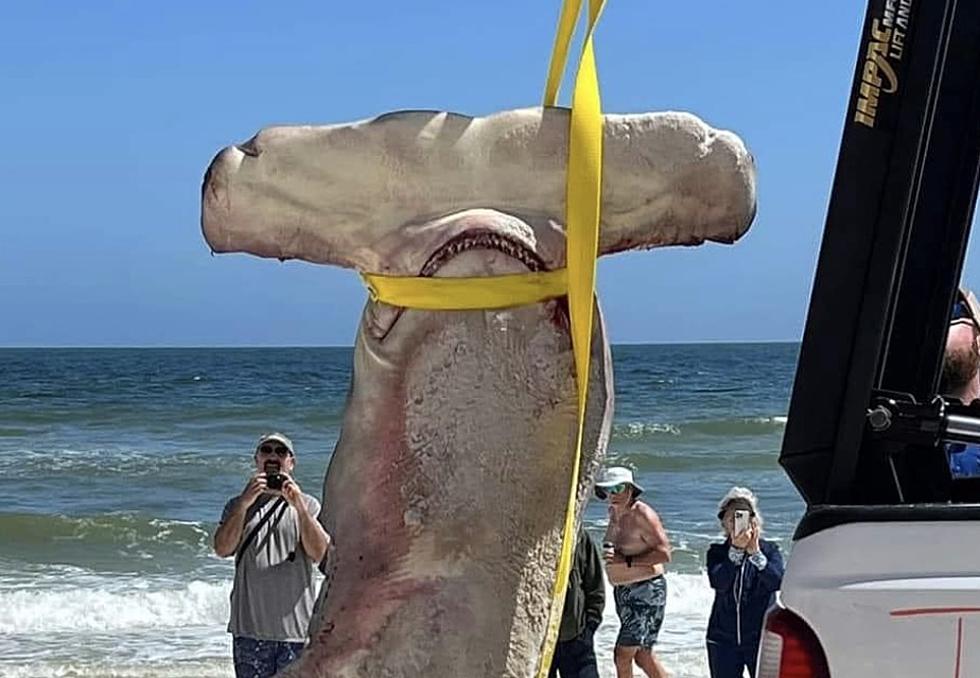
(21, 347)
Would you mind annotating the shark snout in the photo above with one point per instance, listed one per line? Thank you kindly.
(216, 198)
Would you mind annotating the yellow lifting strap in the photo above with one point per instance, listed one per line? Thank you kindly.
(583, 185)
(467, 294)
(583, 198)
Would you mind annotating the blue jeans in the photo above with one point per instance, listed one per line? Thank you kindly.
(262, 658)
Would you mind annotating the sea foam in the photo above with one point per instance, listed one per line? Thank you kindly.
(107, 609)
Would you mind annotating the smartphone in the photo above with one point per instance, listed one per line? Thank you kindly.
(741, 522)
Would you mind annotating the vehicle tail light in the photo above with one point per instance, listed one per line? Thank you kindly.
(790, 648)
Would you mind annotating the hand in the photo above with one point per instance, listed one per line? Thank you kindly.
(613, 558)
(753, 542)
(292, 493)
(255, 487)
(608, 550)
(742, 539)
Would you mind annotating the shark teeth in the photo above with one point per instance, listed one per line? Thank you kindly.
(481, 240)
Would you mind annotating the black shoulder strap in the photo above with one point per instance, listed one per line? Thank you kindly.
(255, 530)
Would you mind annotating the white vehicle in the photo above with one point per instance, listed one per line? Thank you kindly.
(884, 575)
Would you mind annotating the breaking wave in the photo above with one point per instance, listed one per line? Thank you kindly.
(720, 428)
(114, 607)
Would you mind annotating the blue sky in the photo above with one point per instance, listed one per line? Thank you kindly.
(112, 110)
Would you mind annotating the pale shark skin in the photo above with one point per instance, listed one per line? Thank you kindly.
(446, 492)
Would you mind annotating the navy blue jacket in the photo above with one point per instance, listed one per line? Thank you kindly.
(743, 593)
(964, 459)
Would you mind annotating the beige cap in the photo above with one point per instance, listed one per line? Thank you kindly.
(278, 437)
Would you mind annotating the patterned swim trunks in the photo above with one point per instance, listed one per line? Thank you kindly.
(262, 658)
(640, 607)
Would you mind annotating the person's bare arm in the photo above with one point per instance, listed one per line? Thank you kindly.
(611, 527)
(229, 532)
(314, 540)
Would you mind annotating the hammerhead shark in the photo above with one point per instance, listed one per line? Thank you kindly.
(447, 490)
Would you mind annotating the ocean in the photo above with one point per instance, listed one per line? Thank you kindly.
(115, 464)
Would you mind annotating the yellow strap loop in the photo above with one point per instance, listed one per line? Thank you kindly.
(462, 294)
(577, 280)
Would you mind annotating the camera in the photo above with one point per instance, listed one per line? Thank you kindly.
(273, 478)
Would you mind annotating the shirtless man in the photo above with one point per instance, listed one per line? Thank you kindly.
(636, 548)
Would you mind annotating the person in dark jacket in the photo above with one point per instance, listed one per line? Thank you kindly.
(745, 571)
(585, 600)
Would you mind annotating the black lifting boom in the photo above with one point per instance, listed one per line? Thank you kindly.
(893, 246)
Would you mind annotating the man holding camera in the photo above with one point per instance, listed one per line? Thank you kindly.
(273, 531)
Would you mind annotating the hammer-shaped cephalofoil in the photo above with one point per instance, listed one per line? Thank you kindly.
(329, 194)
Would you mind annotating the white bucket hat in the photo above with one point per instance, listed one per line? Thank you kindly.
(615, 475)
(741, 497)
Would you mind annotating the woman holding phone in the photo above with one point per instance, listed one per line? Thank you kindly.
(745, 571)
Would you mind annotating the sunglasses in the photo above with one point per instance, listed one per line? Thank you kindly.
(962, 313)
(278, 450)
(604, 492)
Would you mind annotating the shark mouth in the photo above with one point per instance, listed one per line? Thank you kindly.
(481, 240)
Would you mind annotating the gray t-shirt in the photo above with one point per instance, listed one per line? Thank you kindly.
(273, 594)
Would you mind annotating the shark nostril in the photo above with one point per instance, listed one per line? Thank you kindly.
(249, 148)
